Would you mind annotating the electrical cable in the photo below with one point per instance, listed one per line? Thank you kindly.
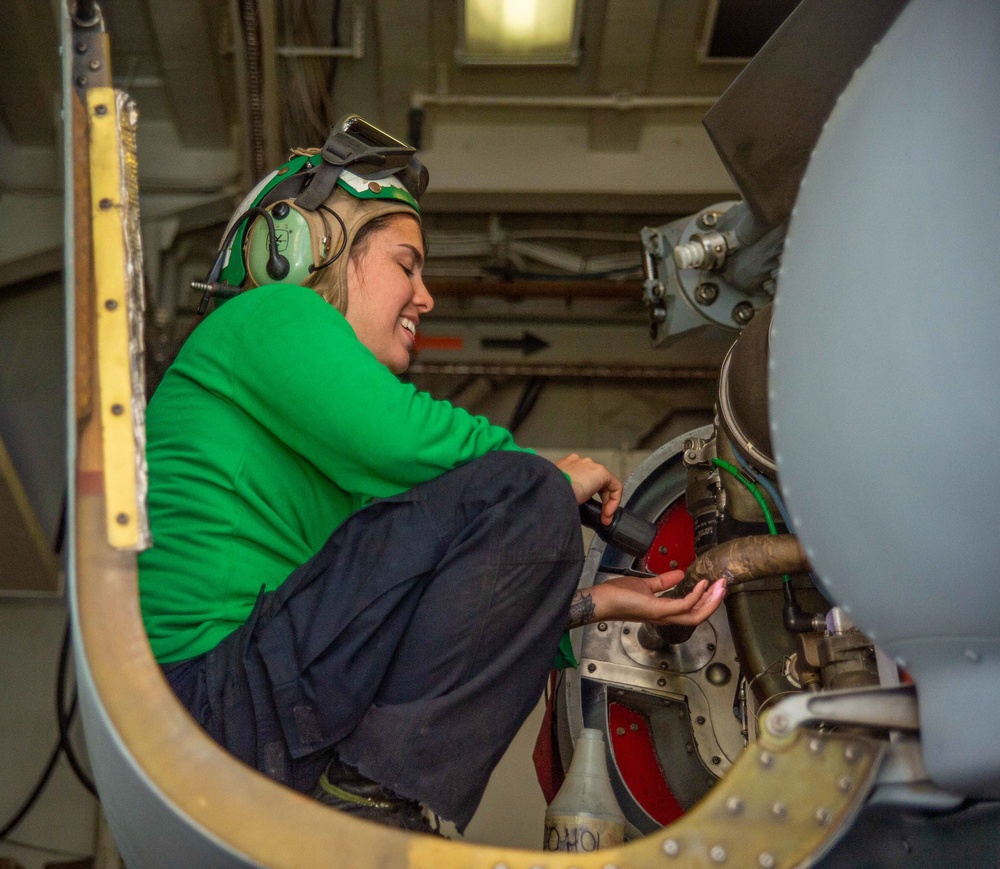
(768, 487)
(63, 717)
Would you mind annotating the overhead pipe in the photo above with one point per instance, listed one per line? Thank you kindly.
(620, 101)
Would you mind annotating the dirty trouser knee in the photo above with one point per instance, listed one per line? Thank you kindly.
(416, 642)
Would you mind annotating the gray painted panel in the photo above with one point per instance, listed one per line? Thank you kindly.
(884, 407)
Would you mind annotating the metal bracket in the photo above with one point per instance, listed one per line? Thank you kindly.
(879, 708)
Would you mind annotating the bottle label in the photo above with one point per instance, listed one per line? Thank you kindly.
(576, 833)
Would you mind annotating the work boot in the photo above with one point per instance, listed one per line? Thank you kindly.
(344, 788)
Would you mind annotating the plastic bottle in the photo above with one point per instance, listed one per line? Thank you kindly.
(584, 815)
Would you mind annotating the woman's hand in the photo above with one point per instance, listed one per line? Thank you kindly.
(634, 599)
(590, 478)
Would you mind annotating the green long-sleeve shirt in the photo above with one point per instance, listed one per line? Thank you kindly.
(273, 426)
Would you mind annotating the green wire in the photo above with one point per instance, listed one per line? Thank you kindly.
(754, 490)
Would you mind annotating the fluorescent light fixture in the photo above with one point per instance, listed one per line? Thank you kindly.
(519, 31)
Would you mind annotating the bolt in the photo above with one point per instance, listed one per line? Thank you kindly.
(706, 294)
(779, 810)
(81, 81)
(709, 219)
(110, 304)
(620, 731)
(734, 805)
(821, 815)
(117, 409)
(106, 204)
(591, 668)
(603, 626)
(122, 518)
(81, 47)
(766, 861)
(844, 783)
(766, 759)
(661, 682)
(743, 313)
(718, 854)
(671, 847)
(700, 719)
(778, 723)
(94, 65)
(716, 760)
(101, 109)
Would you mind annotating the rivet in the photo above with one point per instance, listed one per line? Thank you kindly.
(778, 723)
(779, 810)
(661, 682)
(671, 847)
(591, 668)
(111, 304)
(718, 854)
(101, 109)
(634, 727)
(117, 409)
(603, 626)
(689, 748)
(501, 866)
(626, 631)
(105, 204)
(94, 65)
(815, 745)
(620, 731)
(766, 759)
(716, 760)
(844, 783)
(81, 47)
(81, 81)
(610, 866)
(673, 564)
(700, 719)
(663, 550)
(710, 647)
(821, 815)
(973, 655)
(375, 187)
(766, 861)
(851, 753)
(734, 805)
(122, 518)
(283, 170)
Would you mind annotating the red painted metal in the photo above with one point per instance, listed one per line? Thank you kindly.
(635, 754)
(674, 540)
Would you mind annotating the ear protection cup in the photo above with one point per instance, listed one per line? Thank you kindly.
(302, 239)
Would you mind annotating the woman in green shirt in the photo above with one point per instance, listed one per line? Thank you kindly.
(354, 587)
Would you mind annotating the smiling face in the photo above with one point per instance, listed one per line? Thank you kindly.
(386, 295)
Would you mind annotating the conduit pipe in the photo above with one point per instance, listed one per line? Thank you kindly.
(739, 560)
(621, 101)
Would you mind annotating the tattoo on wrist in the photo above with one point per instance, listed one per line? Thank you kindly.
(581, 610)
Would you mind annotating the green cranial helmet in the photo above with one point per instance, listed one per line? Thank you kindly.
(299, 220)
